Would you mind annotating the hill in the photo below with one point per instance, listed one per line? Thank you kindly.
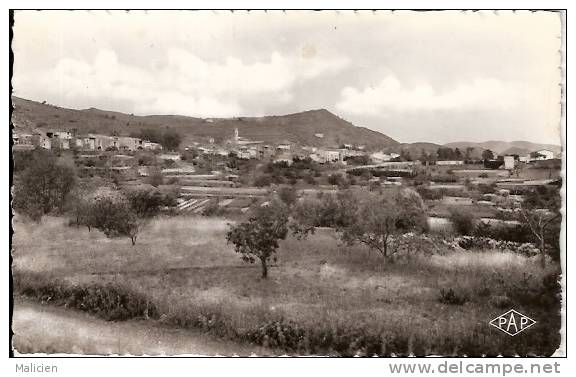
(502, 147)
(315, 127)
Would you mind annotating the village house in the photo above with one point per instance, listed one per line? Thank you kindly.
(283, 147)
(284, 157)
(329, 155)
(22, 141)
(41, 140)
(540, 155)
(60, 139)
(151, 146)
(509, 162)
(130, 143)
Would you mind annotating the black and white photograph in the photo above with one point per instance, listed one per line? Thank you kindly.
(330, 183)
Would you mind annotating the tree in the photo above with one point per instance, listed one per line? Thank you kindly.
(445, 153)
(171, 140)
(457, 154)
(540, 211)
(257, 238)
(115, 217)
(379, 218)
(148, 203)
(43, 187)
(487, 154)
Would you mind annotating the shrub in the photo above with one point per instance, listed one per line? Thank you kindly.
(288, 195)
(431, 194)
(213, 209)
(463, 220)
(156, 178)
(149, 203)
(113, 303)
(263, 181)
(43, 187)
(450, 297)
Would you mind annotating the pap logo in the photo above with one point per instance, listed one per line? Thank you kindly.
(512, 322)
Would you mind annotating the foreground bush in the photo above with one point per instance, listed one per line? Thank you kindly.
(43, 187)
(112, 303)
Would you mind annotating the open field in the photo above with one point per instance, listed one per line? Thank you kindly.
(320, 298)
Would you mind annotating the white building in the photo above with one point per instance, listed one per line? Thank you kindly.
(383, 157)
(329, 155)
(547, 155)
(540, 155)
(450, 162)
(509, 162)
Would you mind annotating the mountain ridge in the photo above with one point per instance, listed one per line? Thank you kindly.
(318, 127)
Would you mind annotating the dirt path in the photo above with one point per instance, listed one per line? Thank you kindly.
(45, 329)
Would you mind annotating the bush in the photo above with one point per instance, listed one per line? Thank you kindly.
(213, 209)
(112, 303)
(431, 194)
(156, 178)
(43, 187)
(149, 203)
(288, 195)
(463, 220)
(263, 181)
(450, 297)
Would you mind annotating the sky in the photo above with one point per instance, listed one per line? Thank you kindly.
(414, 76)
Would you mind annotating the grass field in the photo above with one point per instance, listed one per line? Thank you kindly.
(320, 298)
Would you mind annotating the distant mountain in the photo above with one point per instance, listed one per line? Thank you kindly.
(517, 150)
(502, 147)
(415, 149)
(315, 127)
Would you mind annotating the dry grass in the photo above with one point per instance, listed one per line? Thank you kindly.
(196, 280)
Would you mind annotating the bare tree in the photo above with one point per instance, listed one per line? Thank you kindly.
(539, 211)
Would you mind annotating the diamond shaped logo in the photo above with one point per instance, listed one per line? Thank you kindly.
(512, 322)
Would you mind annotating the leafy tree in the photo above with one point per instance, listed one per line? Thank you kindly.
(150, 134)
(377, 219)
(487, 154)
(43, 187)
(445, 153)
(115, 217)
(457, 154)
(257, 238)
(148, 203)
(171, 140)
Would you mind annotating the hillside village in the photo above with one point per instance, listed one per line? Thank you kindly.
(173, 195)
(222, 173)
(312, 183)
